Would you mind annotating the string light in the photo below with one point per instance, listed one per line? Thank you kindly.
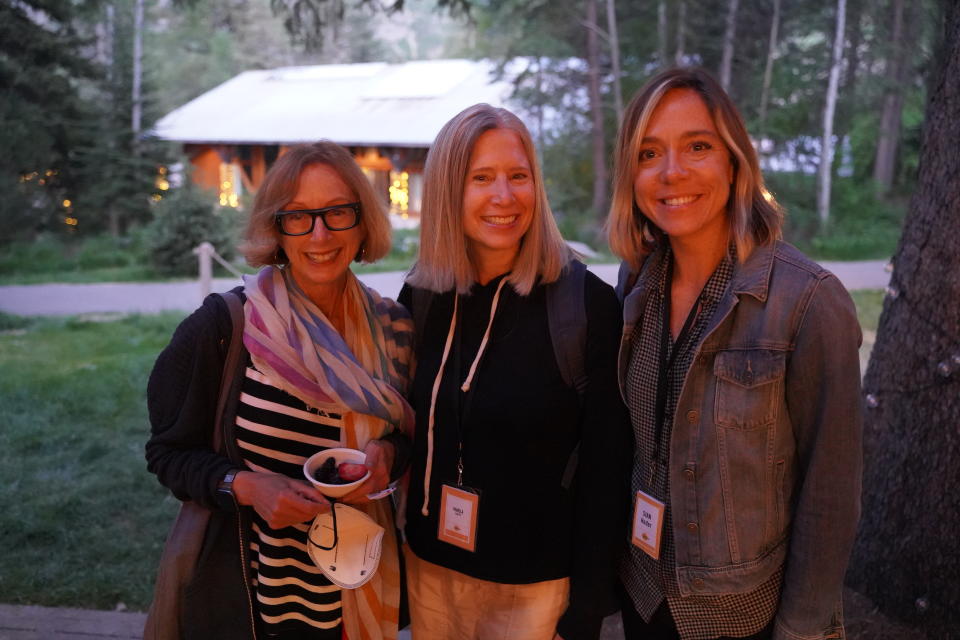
(400, 192)
(944, 369)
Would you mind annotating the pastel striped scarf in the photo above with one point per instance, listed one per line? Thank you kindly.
(363, 375)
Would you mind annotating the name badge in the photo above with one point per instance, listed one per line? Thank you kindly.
(459, 508)
(647, 524)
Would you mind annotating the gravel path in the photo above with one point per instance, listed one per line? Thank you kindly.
(152, 297)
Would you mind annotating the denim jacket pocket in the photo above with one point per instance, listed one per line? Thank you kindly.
(748, 384)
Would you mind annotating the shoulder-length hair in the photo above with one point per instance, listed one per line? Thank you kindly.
(755, 217)
(444, 261)
(261, 244)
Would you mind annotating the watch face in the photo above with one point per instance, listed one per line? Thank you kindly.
(226, 485)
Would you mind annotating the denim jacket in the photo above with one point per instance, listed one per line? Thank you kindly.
(765, 453)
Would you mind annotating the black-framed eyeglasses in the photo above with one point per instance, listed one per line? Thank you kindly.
(339, 217)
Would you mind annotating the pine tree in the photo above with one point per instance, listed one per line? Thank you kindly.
(42, 116)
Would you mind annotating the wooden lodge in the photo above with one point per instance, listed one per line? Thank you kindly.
(387, 115)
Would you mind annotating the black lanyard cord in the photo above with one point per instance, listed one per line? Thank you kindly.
(668, 357)
(464, 398)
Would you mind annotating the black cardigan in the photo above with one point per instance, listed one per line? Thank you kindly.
(181, 397)
(522, 424)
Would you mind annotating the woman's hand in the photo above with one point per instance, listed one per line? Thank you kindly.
(379, 460)
(279, 500)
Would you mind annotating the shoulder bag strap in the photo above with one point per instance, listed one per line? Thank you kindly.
(230, 364)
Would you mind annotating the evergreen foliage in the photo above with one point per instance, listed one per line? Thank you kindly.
(73, 163)
(43, 117)
(119, 167)
(182, 220)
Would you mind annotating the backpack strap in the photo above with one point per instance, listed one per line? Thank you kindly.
(230, 364)
(567, 318)
(421, 301)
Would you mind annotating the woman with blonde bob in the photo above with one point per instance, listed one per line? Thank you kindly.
(324, 363)
(739, 363)
(500, 546)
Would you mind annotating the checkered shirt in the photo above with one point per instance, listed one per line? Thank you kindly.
(650, 581)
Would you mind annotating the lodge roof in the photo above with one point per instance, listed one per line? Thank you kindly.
(368, 104)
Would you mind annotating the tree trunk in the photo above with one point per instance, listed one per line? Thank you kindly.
(729, 37)
(848, 92)
(104, 36)
(615, 58)
(849, 89)
(541, 142)
(681, 32)
(889, 134)
(905, 558)
(662, 34)
(826, 142)
(596, 114)
(137, 69)
(768, 69)
(110, 32)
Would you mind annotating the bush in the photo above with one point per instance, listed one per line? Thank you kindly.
(185, 218)
(54, 258)
(861, 226)
(105, 251)
(9, 322)
(46, 253)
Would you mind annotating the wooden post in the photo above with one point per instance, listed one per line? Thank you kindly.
(204, 254)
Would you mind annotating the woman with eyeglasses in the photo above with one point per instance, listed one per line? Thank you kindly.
(324, 364)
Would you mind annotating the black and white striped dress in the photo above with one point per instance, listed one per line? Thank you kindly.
(277, 432)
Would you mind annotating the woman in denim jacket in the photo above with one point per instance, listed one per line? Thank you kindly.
(739, 363)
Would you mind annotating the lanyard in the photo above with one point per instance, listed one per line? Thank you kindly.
(668, 357)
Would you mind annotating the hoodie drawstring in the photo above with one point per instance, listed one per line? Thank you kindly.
(425, 509)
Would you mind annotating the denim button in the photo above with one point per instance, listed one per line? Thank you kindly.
(692, 416)
(692, 526)
(689, 474)
(697, 583)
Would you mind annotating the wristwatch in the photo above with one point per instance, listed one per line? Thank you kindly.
(225, 487)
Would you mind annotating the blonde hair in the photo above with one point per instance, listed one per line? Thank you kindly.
(754, 216)
(444, 262)
(261, 244)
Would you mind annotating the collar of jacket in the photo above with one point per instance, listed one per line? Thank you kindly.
(752, 277)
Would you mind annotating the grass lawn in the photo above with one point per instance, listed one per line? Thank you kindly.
(869, 304)
(82, 521)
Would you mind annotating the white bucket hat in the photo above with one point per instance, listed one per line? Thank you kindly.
(345, 544)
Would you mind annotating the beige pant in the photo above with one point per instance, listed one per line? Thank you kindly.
(448, 605)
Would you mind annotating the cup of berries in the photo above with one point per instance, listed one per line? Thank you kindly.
(336, 472)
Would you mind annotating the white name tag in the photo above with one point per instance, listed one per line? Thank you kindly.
(648, 524)
(458, 517)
